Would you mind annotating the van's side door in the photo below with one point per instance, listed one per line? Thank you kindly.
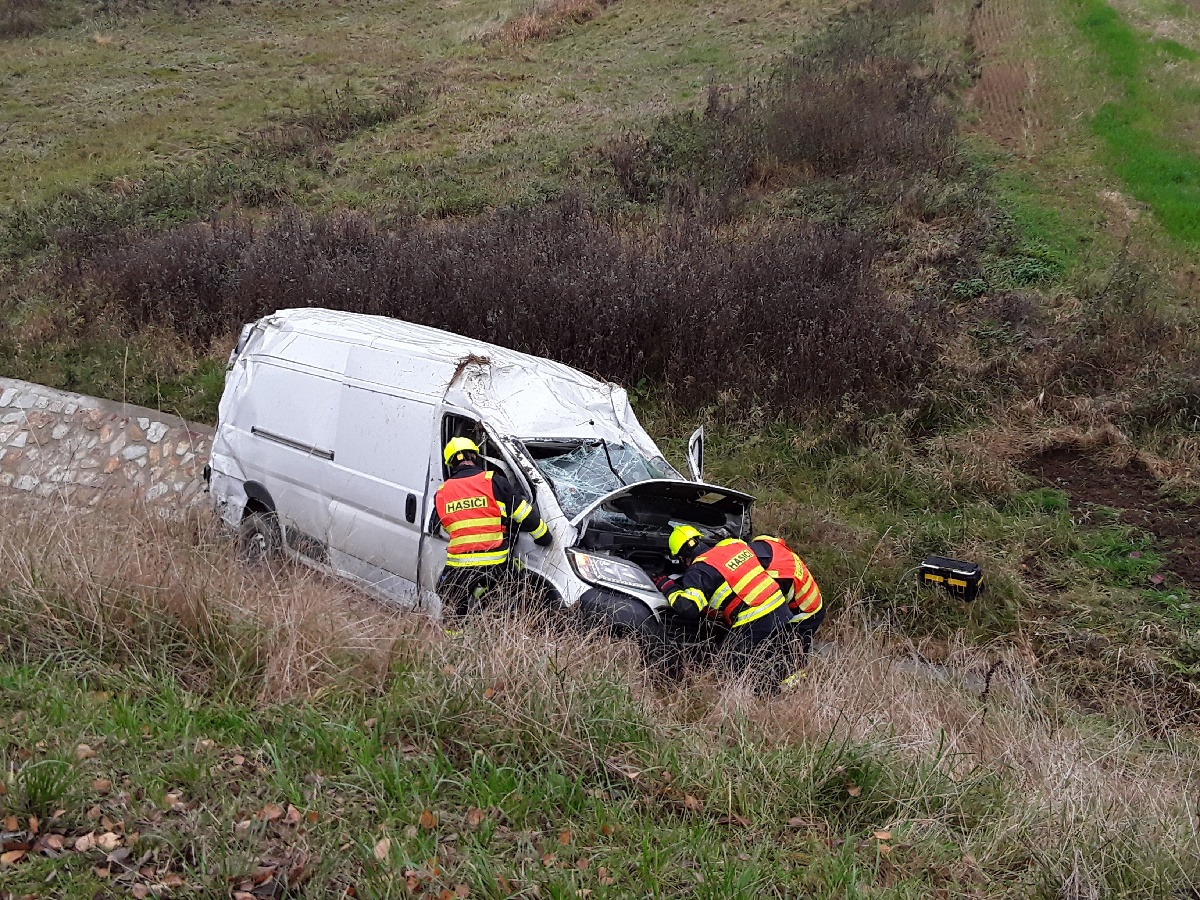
(381, 470)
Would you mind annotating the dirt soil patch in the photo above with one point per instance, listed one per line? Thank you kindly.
(1135, 493)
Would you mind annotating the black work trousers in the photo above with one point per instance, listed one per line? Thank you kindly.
(803, 633)
(466, 589)
(764, 649)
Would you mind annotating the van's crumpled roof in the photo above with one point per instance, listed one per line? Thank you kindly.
(521, 395)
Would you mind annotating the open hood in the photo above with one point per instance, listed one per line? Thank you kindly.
(660, 501)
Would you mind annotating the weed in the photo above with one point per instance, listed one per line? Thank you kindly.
(44, 786)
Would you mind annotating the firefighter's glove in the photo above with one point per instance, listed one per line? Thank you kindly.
(664, 583)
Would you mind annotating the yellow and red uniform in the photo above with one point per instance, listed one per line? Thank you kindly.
(789, 571)
(726, 582)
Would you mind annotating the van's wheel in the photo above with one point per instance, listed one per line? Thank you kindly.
(258, 539)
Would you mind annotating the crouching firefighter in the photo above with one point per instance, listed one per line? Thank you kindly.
(479, 511)
(798, 585)
(725, 583)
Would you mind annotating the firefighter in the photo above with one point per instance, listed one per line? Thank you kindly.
(725, 583)
(479, 511)
(796, 581)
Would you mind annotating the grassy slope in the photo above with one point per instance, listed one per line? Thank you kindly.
(508, 125)
(504, 125)
(506, 761)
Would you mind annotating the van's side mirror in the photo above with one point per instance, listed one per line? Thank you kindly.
(695, 454)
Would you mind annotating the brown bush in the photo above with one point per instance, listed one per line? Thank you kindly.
(790, 315)
(848, 103)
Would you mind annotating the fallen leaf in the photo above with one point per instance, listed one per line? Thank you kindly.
(383, 849)
(445, 894)
(11, 823)
(489, 693)
(54, 841)
(172, 881)
(83, 751)
(604, 877)
(692, 804)
(85, 842)
(34, 824)
(204, 745)
(449, 670)
(606, 830)
(565, 837)
(1156, 578)
(370, 723)
(312, 816)
(270, 813)
(101, 786)
(885, 849)
(582, 863)
(853, 789)
(428, 820)
(12, 857)
(462, 891)
(242, 827)
(3, 788)
(102, 872)
(243, 895)
(293, 815)
(475, 816)
(108, 842)
(1136, 554)
(140, 891)
(883, 835)
(238, 760)
(94, 813)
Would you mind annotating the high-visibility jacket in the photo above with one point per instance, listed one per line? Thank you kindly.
(794, 579)
(728, 583)
(494, 485)
(474, 519)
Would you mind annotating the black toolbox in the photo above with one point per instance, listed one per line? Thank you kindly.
(964, 580)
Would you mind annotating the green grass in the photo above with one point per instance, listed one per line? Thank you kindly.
(1156, 167)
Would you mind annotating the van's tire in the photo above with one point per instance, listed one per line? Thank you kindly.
(619, 615)
(258, 539)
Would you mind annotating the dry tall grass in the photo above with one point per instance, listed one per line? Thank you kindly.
(130, 585)
(1014, 778)
(535, 22)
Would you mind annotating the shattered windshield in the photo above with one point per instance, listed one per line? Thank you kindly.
(580, 475)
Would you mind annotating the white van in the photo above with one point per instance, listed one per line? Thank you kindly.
(329, 449)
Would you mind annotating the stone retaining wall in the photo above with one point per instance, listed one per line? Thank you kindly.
(84, 450)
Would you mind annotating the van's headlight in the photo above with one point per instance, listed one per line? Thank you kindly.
(608, 571)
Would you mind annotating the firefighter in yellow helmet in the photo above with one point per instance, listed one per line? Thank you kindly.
(725, 583)
(482, 514)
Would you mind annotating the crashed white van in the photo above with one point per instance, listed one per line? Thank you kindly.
(329, 449)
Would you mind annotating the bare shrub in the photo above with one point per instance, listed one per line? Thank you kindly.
(19, 18)
(846, 104)
(790, 314)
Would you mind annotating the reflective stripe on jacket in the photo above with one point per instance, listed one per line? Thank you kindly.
(789, 570)
(747, 593)
(474, 519)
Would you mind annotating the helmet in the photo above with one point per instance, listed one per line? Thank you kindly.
(681, 536)
(458, 446)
